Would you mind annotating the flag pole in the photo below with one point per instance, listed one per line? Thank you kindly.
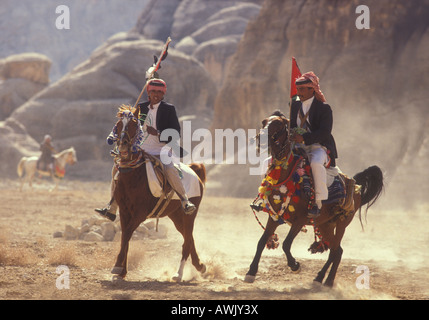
(154, 69)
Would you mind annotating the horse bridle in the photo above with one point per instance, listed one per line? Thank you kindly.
(125, 135)
(275, 137)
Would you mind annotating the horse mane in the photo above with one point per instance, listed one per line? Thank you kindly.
(123, 108)
(61, 153)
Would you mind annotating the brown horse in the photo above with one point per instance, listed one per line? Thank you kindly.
(331, 227)
(136, 201)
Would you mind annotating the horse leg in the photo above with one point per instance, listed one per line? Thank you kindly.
(269, 231)
(128, 226)
(56, 181)
(185, 225)
(321, 274)
(337, 253)
(22, 180)
(189, 228)
(293, 232)
(336, 259)
(178, 221)
(327, 232)
(30, 180)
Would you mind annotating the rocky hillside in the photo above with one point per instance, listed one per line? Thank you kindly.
(30, 26)
(21, 77)
(206, 30)
(374, 79)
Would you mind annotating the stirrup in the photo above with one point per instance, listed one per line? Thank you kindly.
(106, 214)
(314, 212)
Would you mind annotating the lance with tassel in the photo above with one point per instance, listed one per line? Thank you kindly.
(156, 66)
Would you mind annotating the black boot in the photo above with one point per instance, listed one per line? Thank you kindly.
(106, 214)
(188, 207)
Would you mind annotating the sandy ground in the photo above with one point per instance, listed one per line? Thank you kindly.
(393, 251)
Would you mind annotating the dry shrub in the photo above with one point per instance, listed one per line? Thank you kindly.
(11, 254)
(96, 256)
(63, 254)
(15, 256)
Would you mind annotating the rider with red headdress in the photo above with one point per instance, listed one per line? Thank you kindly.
(314, 115)
(155, 116)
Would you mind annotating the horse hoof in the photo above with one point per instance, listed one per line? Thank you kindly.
(177, 277)
(296, 268)
(117, 270)
(117, 279)
(203, 269)
(249, 278)
(316, 285)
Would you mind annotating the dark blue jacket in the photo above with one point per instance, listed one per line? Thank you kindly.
(166, 118)
(321, 121)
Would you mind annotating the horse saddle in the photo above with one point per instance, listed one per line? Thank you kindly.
(157, 181)
(46, 168)
(341, 188)
(43, 164)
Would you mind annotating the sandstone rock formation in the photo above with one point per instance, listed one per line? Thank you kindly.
(15, 142)
(31, 66)
(207, 30)
(21, 77)
(31, 26)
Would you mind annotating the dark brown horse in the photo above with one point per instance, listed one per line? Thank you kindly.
(135, 199)
(331, 227)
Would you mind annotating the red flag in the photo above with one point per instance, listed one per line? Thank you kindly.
(295, 74)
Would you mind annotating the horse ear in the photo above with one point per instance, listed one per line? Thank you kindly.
(264, 123)
(136, 112)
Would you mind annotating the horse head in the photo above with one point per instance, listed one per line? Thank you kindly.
(127, 129)
(276, 127)
(67, 156)
(71, 158)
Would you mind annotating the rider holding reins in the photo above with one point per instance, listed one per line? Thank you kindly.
(313, 114)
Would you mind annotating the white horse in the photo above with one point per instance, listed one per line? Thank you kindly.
(28, 166)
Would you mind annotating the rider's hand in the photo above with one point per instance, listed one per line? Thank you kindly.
(152, 131)
(110, 141)
(296, 138)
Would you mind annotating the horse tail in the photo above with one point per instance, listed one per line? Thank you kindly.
(20, 168)
(200, 170)
(371, 180)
